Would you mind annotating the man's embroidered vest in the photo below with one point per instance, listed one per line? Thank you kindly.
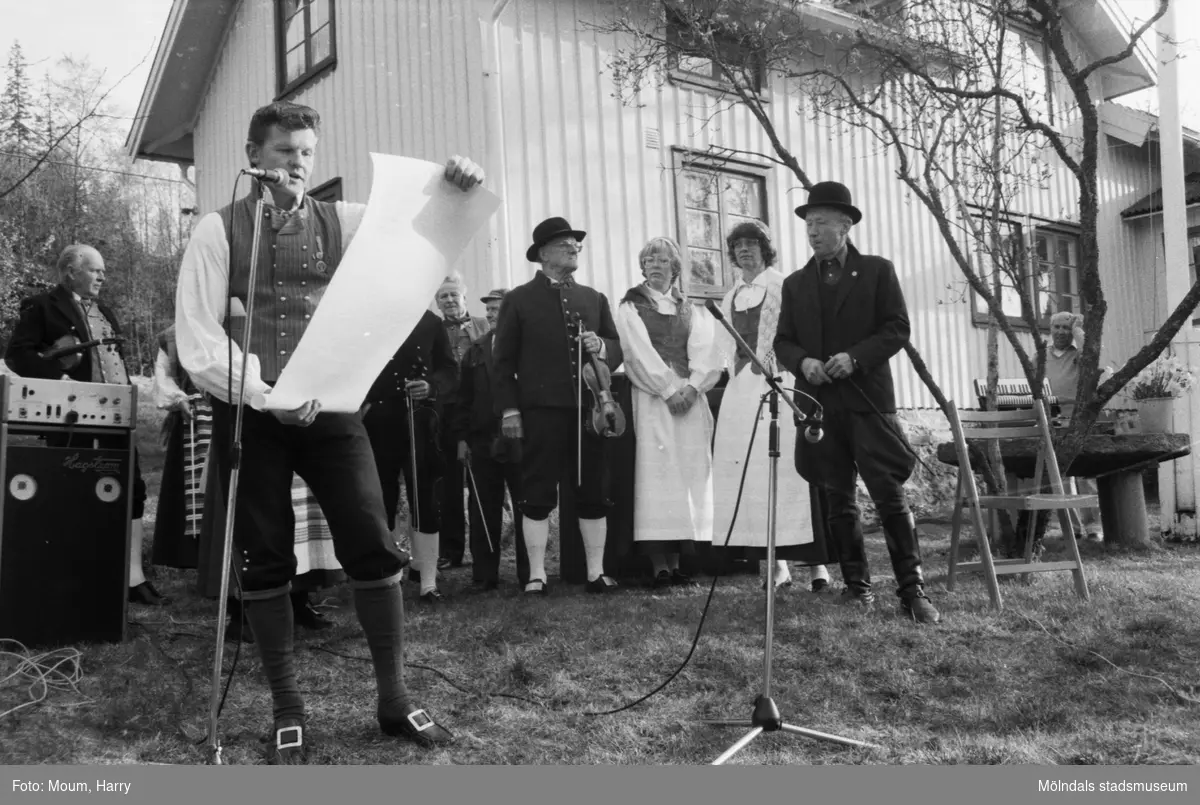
(293, 272)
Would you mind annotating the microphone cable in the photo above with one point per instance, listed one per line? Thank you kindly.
(712, 588)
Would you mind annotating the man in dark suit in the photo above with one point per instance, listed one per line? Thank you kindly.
(842, 317)
(421, 373)
(537, 361)
(494, 461)
(72, 313)
(463, 330)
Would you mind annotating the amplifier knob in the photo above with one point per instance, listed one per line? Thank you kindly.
(103, 400)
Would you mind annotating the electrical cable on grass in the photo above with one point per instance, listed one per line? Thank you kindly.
(60, 670)
(1177, 693)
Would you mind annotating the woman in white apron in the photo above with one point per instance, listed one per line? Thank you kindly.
(752, 307)
(672, 361)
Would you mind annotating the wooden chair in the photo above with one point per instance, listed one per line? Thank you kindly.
(1022, 423)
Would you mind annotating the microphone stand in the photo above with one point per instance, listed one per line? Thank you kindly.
(214, 699)
(765, 717)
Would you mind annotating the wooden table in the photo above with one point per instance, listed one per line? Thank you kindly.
(1116, 462)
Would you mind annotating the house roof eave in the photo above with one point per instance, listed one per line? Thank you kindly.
(187, 52)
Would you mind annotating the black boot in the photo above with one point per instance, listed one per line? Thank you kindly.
(237, 628)
(905, 552)
(852, 553)
(305, 615)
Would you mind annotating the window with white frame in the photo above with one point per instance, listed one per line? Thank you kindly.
(712, 196)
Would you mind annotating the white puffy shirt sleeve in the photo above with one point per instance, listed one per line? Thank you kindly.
(204, 348)
(645, 367)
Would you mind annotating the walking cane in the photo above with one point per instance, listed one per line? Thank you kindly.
(412, 457)
(192, 451)
(479, 505)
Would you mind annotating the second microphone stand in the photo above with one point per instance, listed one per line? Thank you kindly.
(765, 716)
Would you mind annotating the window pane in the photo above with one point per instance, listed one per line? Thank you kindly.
(320, 44)
(294, 26)
(1066, 252)
(703, 229)
(1040, 246)
(318, 14)
(704, 266)
(295, 63)
(742, 197)
(700, 190)
(695, 64)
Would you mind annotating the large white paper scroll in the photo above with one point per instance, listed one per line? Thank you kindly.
(415, 226)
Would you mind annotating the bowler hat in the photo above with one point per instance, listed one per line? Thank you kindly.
(547, 231)
(494, 295)
(830, 194)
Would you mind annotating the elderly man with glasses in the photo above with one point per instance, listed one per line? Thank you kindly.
(537, 362)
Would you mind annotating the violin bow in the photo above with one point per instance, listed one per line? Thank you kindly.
(579, 403)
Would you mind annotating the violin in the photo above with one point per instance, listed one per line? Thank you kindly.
(68, 350)
(606, 418)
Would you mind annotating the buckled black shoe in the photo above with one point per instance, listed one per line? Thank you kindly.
(537, 587)
(417, 726)
(602, 584)
(146, 595)
(819, 585)
(432, 597)
(856, 596)
(288, 747)
(662, 579)
(681, 579)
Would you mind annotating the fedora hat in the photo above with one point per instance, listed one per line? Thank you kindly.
(830, 194)
(547, 231)
(494, 295)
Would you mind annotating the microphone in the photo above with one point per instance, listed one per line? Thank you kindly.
(714, 309)
(273, 176)
(814, 432)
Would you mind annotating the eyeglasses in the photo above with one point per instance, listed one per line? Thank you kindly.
(566, 242)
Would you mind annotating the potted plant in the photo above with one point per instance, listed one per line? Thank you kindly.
(1155, 387)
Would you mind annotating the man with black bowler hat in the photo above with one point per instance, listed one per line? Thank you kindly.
(537, 364)
(842, 317)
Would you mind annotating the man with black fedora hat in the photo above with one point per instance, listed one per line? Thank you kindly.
(537, 364)
(842, 318)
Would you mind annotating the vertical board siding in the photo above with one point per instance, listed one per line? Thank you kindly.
(408, 77)
(416, 77)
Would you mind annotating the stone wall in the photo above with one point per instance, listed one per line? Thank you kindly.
(931, 488)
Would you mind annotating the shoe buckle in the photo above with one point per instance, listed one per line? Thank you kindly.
(420, 720)
(280, 743)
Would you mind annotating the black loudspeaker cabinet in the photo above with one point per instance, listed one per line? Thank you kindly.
(64, 544)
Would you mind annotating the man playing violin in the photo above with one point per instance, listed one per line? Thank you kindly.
(70, 315)
(537, 384)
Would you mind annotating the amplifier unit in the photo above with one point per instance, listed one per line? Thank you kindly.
(33, 401)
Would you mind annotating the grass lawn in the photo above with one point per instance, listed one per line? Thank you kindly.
(1051, 680)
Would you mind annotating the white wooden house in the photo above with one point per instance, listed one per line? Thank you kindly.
(522, 87)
